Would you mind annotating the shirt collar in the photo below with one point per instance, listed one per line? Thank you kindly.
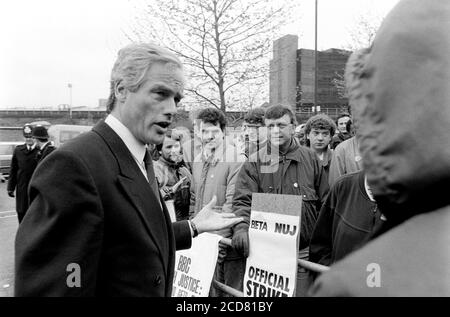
(367, 188)
(136, 147)
(43, 145)
(292, 152)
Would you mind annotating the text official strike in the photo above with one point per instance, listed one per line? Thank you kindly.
(279, 285)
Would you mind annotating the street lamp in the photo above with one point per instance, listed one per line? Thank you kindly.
(315, 61)
(70, 104)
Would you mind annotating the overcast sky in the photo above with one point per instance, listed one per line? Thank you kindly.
(47, 44)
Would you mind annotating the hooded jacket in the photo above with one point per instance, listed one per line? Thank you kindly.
(403, 117)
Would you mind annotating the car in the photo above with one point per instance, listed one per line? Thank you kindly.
(6, 153)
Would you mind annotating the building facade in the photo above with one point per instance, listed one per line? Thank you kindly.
(292, 76)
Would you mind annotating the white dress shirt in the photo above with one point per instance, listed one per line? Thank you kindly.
(136, 147)
(31, 148)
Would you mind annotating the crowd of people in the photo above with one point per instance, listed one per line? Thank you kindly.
(119, 200)
(230, 170)
(266, 157)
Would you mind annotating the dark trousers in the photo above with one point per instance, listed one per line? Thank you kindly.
(234, 270)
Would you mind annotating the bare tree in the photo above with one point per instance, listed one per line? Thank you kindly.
(363, 31)
(225, 45)
(339, 82)
(362, 34)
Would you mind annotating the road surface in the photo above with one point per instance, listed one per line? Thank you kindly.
(8, 228)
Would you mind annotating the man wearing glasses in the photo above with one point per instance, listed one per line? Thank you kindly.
(282, 167)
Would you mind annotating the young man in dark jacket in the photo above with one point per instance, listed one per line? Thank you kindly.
(283, 167)
(346, 220)
(318, 131)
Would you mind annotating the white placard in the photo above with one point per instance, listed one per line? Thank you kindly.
(194, 267)
(271, 269)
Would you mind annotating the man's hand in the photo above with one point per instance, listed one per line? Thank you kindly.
(208, 220)
(240, 242)
(11, 193)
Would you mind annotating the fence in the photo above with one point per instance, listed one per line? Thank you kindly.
(331, 112)
(51, 113)
(311, 266)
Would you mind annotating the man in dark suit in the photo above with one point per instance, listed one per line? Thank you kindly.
(97, 225)
(23, 164)
(41, 137)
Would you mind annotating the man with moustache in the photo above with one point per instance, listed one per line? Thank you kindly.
(215, 172)
(96, 225)
(174, 179)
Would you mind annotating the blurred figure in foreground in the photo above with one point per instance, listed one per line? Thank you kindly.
(402, 121)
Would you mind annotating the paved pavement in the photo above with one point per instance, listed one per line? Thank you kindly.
(8, 228)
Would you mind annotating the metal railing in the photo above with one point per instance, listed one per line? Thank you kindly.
(332, 112)
(311, 266)
(52, 113)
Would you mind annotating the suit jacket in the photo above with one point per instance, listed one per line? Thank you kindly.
(91, 208)
(23, 164)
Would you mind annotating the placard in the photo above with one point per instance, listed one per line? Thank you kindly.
(194, 267)
(271, 269)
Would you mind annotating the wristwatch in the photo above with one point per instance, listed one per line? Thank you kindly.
(194, 229)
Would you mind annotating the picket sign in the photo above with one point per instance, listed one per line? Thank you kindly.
(274, 234)
(194, 267)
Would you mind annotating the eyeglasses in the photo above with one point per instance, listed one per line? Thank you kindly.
(254, 126)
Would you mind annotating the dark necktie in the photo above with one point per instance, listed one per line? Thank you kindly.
(205, 168)
(151, 174)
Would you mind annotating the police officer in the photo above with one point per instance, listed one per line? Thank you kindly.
(23, 164)
(40, 135)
